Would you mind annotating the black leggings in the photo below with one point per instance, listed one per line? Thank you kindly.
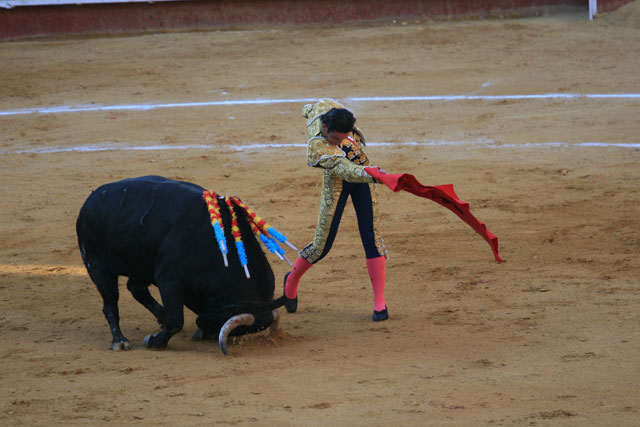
(361, 197)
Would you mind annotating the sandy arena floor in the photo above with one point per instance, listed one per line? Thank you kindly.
(549, 337)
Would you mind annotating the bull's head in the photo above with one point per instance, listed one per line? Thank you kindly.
(247, 320)
(250, 306)
(239, 324)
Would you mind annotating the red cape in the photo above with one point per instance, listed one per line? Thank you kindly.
(442, 194)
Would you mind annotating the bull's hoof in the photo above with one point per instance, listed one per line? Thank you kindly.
(120, 345)
(149, 343)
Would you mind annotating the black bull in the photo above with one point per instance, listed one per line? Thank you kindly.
(158, 231)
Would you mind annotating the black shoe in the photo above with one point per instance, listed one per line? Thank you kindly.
(291, 305)
(381, 315)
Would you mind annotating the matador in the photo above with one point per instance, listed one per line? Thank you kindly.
(335, 145)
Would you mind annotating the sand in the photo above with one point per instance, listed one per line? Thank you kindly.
(549, 337)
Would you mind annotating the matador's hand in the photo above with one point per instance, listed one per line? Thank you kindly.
(382, 171)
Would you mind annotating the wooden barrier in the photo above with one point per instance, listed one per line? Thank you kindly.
(55, 17)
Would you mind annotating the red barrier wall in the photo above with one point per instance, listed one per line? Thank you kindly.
(184, 15)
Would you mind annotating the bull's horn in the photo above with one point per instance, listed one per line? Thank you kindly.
(276, 319)
(244, 319)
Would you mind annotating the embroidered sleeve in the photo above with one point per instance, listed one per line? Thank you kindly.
(345, 169)
(319, 149)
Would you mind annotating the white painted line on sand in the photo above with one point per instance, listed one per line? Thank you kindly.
(60, 109)
(111, 146)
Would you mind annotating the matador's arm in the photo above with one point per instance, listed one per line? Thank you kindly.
(345, 169)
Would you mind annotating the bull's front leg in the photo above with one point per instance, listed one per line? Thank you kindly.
(172, 299)
(140, 291)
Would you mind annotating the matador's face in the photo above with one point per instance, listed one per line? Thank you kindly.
(334, 138)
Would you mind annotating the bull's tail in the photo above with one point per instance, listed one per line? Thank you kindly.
(277, 303)
(80, 236)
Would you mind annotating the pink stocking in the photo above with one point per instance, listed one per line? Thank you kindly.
(299, 268)
(376, 268)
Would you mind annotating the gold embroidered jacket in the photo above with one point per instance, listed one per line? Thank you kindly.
(346, 160)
